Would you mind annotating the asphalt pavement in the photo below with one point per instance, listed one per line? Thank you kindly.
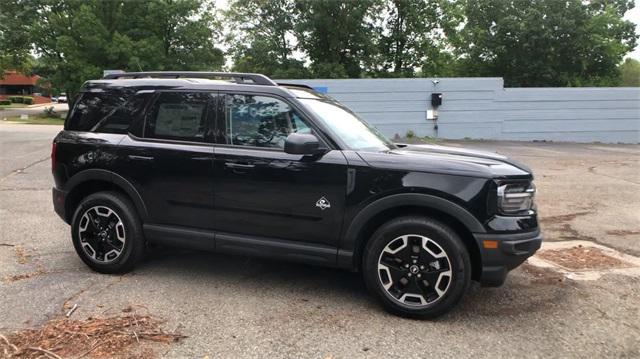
(239, 307)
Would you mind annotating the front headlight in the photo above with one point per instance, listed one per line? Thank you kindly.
(514, 198)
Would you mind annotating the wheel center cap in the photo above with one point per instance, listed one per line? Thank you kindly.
(414, 269)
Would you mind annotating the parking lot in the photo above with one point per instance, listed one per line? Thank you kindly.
(241, 307)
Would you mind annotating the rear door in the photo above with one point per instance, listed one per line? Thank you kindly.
(262, 191)
(171, 162)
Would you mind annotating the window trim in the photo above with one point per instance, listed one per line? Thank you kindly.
(317, 131)
(138, 124)
(149, 109)
(164, 140)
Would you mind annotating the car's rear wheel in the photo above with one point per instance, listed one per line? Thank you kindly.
(107, 233)
(418, 267)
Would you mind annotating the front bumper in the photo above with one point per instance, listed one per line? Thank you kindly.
(501, 253)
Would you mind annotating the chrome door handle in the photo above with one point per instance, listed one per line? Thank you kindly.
(141, 158)
(238, 165)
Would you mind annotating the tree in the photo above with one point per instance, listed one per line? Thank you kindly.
(630, 73)
(262, 39)
(528, 42)
(75, 40)
(411, 38)
(173, 34)
(545, 42)
(337, 36)
(15, 38)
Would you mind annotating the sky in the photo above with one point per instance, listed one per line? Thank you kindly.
(634, 16)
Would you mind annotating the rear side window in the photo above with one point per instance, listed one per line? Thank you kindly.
(108, 112)
(179, 116)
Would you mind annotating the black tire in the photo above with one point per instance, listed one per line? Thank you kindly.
(129, 227)
(405, 234)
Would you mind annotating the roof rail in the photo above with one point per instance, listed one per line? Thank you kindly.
(238, 77)
(296, 85)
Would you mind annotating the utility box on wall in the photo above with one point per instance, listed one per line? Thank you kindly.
(436, 99)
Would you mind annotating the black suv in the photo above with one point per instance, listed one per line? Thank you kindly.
(236, 163)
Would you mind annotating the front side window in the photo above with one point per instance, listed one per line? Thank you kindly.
(179, 116)
(259, 121)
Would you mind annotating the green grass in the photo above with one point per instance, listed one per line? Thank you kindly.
(416, 140)
(13, 105)
(429, 139)
(37, 120)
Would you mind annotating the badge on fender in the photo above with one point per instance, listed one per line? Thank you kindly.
(323, 203)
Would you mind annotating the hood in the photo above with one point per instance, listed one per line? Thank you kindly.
(447, 160)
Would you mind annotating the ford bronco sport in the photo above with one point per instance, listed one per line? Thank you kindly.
(236, 163)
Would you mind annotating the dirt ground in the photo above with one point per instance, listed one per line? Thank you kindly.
(237, 307)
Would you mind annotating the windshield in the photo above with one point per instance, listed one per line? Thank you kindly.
(353, 131)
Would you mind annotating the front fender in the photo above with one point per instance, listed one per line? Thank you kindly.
(350, 240)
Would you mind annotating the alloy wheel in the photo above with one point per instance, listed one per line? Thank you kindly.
(414, 270)
(102, 234)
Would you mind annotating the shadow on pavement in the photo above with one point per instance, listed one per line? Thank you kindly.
(521, 294)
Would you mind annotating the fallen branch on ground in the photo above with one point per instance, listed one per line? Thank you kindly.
(95, 337)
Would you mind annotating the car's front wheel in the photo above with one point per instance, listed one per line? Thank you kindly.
(107, 233)
(418, 267)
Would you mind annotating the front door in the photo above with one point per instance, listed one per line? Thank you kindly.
(261, 191)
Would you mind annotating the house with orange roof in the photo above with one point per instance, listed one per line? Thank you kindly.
(15, 83)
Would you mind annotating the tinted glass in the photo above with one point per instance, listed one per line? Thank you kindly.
(259, 121)
(353, 131)
(94, 111)
(122, 118)
(179, 116)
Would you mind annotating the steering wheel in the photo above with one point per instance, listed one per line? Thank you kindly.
(262, 139)
(265, 134)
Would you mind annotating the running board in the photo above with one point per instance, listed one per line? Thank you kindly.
(277, 249)
(208, 240)
(182, 237)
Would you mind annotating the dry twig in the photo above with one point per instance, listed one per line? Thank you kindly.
(15, 348)
(75, 306)
(46, 352)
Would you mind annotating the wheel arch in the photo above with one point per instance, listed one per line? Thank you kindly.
(377, 213)
(94, 180)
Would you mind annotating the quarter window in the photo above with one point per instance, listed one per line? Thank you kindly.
(179, 116)
(259, 121)
(105, 111)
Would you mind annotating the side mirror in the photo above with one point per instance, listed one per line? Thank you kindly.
(302, 144)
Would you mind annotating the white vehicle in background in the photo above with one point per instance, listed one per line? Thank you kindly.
(62, 98)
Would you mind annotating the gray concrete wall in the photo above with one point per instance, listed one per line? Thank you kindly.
(481, 108)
